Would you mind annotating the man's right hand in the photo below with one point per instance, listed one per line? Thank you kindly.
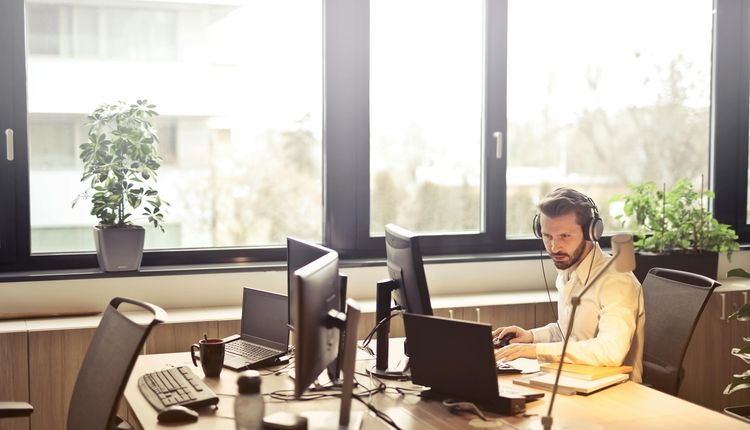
(522, 336)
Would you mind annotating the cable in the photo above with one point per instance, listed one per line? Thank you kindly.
(368, 338)
(549, 296)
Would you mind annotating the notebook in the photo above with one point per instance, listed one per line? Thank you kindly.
(264, 332)
(582, 371)
(570, 386)
(456, 360)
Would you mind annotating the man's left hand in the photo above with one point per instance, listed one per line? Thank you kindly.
(516, 350)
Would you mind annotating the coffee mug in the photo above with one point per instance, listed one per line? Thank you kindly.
(211, 355)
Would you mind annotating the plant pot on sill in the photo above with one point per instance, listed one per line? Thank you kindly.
(739, 412)
(119, 249)
(702, 263)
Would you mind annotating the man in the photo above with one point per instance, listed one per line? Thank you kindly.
(608, 327)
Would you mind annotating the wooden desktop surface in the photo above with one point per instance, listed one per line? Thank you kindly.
(625, 406)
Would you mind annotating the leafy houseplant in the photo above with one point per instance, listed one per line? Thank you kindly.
(674, 221)
(120, 160)
(740, 381)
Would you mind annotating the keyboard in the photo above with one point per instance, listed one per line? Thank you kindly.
(251, 351)
(176, 386)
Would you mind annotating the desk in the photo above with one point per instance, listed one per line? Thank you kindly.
(625, 406)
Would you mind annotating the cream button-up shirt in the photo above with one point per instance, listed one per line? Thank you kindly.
(608, 326)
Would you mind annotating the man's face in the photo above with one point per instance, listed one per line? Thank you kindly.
(563, 240)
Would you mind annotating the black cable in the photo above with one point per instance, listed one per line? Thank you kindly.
(549, 296)
(394, 311)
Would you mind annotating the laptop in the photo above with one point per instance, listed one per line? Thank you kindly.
(456, 360)
(264, 335)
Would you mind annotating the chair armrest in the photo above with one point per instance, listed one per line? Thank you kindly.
(15, 409)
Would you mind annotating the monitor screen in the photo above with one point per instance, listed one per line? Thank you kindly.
(404, 260)
(315, 292)
(299, 253)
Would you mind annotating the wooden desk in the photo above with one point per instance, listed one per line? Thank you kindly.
(626, 406)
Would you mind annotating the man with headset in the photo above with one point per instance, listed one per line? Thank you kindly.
(608, 328)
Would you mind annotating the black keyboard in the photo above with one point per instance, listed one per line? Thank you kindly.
(251, 351)
(176, 386)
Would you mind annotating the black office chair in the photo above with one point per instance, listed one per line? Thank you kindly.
(674, 301)
(105, 370)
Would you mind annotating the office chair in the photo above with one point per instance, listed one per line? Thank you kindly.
(105, 370)
(674, 301)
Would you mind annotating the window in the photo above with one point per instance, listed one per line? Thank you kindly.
(326, 120)
(426, 115)
(240, 102)
(604, 94)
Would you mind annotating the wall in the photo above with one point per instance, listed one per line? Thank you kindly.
(224, 289)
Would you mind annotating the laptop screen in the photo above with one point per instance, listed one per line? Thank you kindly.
(264, 318)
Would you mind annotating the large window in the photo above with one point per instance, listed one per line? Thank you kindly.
(327, 119)
(426, 115)
(604, 94)
(240, 102)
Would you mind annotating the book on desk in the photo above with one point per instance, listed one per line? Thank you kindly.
(576, 378)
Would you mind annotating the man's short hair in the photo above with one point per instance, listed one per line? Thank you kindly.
(563, 201)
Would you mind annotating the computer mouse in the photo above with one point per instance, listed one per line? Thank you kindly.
(177, 414)
(500, 342)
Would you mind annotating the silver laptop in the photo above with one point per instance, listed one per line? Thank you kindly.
(264, 335)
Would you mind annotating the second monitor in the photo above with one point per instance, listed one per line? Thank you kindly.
(407, 287)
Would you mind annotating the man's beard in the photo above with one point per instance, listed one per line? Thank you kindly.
(573, 260)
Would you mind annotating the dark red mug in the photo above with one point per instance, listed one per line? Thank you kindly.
(211, 353)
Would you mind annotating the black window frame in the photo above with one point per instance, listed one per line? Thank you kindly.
(346, 200)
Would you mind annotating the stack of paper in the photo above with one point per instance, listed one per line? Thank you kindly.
(582, 371)
(568, 385)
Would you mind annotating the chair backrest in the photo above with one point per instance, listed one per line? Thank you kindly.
(674, 301)
(107, 365)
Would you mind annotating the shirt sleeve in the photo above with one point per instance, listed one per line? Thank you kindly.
(618, 302)
(549, 333)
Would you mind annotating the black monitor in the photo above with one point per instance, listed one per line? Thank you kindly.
(405, 267)
(300, 253)
(407, 287)
(318, 324)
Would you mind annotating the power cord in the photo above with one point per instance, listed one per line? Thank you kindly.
(366, 342)
(458, 406)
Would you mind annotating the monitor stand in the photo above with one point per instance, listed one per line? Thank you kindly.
(345, 419)
(382, 313)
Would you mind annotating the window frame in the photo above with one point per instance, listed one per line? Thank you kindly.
(346, 182)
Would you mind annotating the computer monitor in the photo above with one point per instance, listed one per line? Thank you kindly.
(299, 254)
(405, 267)
(318, 323)
(407, 287)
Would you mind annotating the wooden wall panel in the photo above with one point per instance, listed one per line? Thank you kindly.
(14, 374)
(54, 360)
(228, 328)
(178, 337)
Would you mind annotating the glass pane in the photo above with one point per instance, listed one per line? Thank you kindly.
(425, 115)
(602, 95)
(238, 88)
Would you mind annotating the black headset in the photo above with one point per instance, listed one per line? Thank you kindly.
(592, 230)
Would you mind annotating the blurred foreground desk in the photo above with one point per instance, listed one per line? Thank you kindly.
(626, 406)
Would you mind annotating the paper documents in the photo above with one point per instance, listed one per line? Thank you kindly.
(568, 385)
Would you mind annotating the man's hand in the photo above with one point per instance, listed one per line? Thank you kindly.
(522, 336)
(516, 350)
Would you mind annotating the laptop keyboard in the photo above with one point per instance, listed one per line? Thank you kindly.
(250, 351)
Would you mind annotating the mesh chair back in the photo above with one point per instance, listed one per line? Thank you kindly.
(674, 301)
(107, 365)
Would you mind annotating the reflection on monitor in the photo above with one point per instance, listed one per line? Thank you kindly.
(404, 260)
(318, 323)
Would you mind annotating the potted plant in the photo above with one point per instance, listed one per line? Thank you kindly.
(120, 160)
(673, 228)
(742, 380)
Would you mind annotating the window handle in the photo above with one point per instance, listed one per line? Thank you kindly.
(498, 135)
(450, 313)
(479, 315)
(723, 306)
(9, 144)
